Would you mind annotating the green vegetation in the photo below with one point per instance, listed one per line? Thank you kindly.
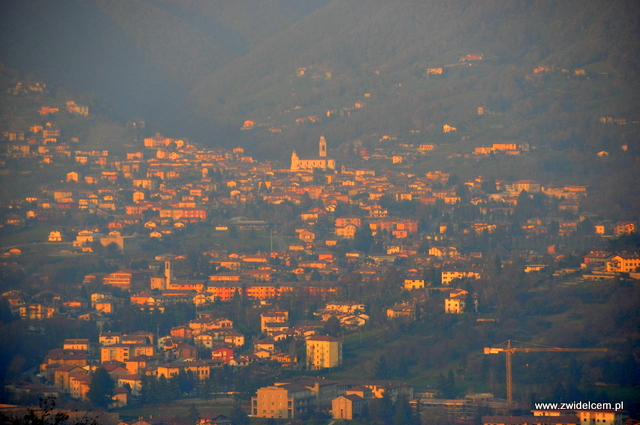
(101, 389)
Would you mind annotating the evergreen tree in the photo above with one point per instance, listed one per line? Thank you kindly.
(186, 381)
(382, 368)
(381, 409)
(447, 385)
(101, 388)
(403, 414)
(497, 266)
(441, 383)
(316, 276)
(451, 385)
(163, 390)
(333, 327)
(149, 389)
(363, 239)
(173, 386)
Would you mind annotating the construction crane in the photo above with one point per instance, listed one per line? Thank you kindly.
(509, 350)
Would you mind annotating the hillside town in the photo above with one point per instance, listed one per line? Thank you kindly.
(272, 233)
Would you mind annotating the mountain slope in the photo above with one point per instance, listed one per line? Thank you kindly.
(200, 68)
(141, 55)
(372, 47)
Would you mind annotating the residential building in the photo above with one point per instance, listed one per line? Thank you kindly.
(76, 344)
(529, 186)
(414, 282)
(123, 352)
(346, 306)
(624, 263)
(285, 401)
(587, 417)
(456, 302)
(275, 316)
(323, 351)
(401, 311)
(449, 275)
(625, 227)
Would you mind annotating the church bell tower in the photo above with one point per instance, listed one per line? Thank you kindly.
(295, 161)
(322, 147)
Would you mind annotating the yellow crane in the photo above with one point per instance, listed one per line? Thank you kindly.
(509, 350)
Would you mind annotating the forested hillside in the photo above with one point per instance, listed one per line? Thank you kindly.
(544, 73)
(202, 68)
(142, 56)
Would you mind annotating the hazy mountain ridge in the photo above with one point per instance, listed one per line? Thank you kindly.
(190, 38)
(391, 37)
(190, 65)
(142, 55)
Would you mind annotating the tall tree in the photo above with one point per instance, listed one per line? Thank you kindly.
(403, 414)
(149, 389)
(382, 368)
(363, 238)
(332, 327)
(101, 388)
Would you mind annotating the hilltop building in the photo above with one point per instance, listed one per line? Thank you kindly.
(321, 161)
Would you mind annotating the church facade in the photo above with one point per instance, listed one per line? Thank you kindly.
(321, 161)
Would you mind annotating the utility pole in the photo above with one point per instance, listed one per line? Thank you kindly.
(509, 350)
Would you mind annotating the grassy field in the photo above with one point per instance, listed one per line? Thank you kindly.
(179, 408)
(10, 237)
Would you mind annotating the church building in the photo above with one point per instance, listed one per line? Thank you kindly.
(321, 161)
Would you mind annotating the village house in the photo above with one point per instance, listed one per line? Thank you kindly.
(122, 352)
(274, 316)
(222, 352)
(449, 275)
(624, 263)
(530, 186)
(346, 306)
(588, 417)
(456, 301)
(401, 311)
(443, 252)
(414, 282)
(625, 228)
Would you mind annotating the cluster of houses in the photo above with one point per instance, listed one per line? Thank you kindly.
(348, 399)
(253, 277)
(197, 347)
(299, 396)
(173, 183)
